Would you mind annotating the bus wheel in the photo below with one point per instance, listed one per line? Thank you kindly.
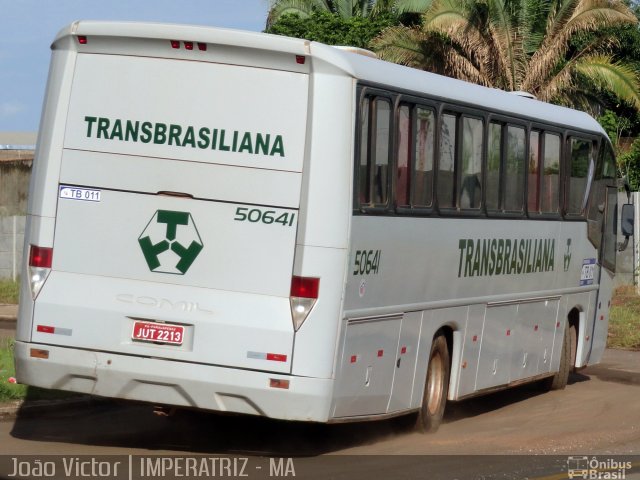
(560, 379)
(436, 387)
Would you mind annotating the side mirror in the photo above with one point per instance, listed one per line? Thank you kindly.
(627, 219)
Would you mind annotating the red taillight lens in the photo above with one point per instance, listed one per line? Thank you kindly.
(175, 44)
(40, 257)
(82, 39)
(202, 47)
(300, 59)
(305, 287)
(188, 45)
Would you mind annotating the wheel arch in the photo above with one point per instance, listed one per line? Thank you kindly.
(576, 318)
(454, 339)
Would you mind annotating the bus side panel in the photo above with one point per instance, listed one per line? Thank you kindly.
(600, 326)
(463, 382)
(496, 347)
(325, 214)
(41, 209)
(314, 348)
(43, 189)
(404, 376)
(363, 386)
(533, 338)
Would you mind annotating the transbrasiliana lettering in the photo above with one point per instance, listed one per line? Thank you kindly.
(185, 136)
(505, 256)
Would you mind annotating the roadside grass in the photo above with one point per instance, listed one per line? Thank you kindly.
(12, 391)
(624, 319)
(9, 291)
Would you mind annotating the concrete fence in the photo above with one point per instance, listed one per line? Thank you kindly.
(11, 245)
(15, 170)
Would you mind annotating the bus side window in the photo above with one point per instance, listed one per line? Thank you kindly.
(470, 188)
(577, 182)
(533, 204)
(422, 193)
(381, 149)
(549, 191)
(513, 172)
(447, 161)
(363, 171)
(605, 173)
(494, 165)
(610, 236)
(373, 172)
(403, 179)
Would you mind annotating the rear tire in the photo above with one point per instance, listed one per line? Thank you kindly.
(436, 387)
(567, 361)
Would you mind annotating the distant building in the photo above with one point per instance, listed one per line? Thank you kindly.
(18, 140)
(17, 146)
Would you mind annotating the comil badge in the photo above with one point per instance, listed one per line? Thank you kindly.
(170, 242)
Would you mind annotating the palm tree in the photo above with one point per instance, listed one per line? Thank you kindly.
(303, 8)
(520, 45)
(343, 8)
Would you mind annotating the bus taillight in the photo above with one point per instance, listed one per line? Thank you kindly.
(189, 45)
(304, 294)
(40, 260)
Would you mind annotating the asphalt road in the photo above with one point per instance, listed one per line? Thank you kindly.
(520, 433)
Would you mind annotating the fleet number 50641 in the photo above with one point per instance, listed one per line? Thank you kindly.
(256, 215)
(367, 262)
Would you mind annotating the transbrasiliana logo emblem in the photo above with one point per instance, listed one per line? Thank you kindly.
(170, 242)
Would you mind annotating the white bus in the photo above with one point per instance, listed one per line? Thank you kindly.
(262, 225)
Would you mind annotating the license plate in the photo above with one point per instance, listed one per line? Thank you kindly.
(158, 333)
(84, 194)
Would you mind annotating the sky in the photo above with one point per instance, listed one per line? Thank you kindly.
(29, 27)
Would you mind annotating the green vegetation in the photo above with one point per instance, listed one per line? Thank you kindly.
(346, 9)
(624, 322)
(12, 391)
(522, 45)
(331, 28)
(9, 391)
(9, 291)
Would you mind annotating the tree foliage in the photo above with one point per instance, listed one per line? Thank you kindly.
(345, 8)
(629, 165)
(522, 45)
(628, 161)
(332, 29)
(615, 126)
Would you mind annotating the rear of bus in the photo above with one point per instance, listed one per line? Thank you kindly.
(164, 208)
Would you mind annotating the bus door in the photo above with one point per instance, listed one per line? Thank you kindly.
(607, 270)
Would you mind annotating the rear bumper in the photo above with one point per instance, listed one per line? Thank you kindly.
(169, 382)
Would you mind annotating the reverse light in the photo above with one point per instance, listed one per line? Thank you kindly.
(304, 294)
(40, 260)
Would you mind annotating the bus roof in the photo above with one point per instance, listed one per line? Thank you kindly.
(360, 67)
